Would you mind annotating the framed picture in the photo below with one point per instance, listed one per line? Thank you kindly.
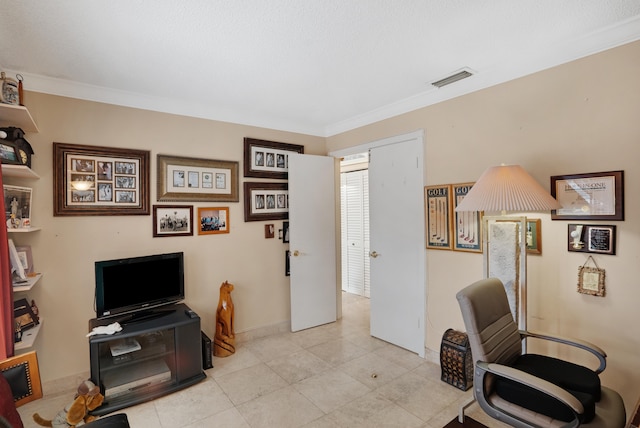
(534, 236)
(591, 238)
(285, 232)
(593, 196)
(467, 229)
(193, 179)
(591, 279)
(287, 263)
(23, 315)
(26, 258)
(17, 203)
(265, 201)
(172, 220)
(438, 216)
(92, 180)
(269, 231)
(268, 159)
(213, 220)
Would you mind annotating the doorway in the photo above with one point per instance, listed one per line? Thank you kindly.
(354, 218)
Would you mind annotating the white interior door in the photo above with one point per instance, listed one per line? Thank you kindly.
(398, 287)
(312, 230)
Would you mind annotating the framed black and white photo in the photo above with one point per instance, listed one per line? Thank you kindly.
(172, 220)
(92, 180)
(266, 201)
(193, 179)
(268, 159)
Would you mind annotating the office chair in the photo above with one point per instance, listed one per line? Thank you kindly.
(530, 390)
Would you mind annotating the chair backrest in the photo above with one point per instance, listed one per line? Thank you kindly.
(493, 334)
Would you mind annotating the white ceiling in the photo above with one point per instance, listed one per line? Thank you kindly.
(318, 67)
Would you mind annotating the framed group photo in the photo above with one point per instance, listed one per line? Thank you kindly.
(213, 220)
(172, 220)
(92, 180)
(193, 179)
(268, 159)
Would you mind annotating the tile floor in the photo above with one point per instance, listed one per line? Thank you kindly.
(334, 375)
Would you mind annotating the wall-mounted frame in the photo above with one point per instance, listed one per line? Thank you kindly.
(213, 220)
(269, 231)
(591, 280)
(591, 238)
(592, 196)
(172, 220)
(467, 225)
(265, 201)
(193, 179)
(438, 216)
(534, 236)
(268, 159)
(92, 180)
(285, 232)
(17, 203)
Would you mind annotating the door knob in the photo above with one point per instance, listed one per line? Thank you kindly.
(296, 253)
(373, 254)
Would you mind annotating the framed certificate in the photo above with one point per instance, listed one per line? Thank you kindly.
(593, 196)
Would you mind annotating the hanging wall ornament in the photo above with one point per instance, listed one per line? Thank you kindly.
(591, 279)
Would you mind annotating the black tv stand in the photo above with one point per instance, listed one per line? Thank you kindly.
(145, 316)
(148, 358)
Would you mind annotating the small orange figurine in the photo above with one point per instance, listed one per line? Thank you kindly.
(224, 342)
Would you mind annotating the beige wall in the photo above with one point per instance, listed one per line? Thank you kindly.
(577, 118)
(580, 117)
(67, 247)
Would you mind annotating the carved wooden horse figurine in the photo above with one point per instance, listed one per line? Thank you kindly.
(225, 339)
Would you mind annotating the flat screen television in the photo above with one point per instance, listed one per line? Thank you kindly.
(137, 284)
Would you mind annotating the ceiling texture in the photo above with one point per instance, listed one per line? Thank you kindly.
(317, 67)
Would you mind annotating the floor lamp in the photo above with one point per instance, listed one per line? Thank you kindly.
(501, 189)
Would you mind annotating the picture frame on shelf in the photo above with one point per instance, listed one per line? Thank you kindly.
(26, 258)
(172, 220)
(17, 202)
(213, 220)
(23, 315)
(268, 159)
(265, 201)
(94, 180)
(534, 236)
(198, 180)
(467, 225)
(591, 238)
(437, 202)
(591, 196)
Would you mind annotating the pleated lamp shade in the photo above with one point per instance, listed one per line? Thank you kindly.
(507, 188)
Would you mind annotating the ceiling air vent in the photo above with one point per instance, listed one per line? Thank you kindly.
(463, 74)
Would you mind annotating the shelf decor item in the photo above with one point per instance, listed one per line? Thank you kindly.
(10, 93)
(268, 159)
(17, 201)
(93, 180)
(192, 179)
(14, 148)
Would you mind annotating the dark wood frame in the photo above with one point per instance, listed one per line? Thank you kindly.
(437, 198)
(61, 204)
(587, 240)
(536, 225)
(163, 193)
(268, 146)
(156, 226)
(618, 194)
(252, 215)
(226, 229)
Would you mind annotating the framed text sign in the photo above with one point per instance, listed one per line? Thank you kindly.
(438, 213)
(593, 196)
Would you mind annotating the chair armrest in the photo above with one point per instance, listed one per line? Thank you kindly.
(587, 346)
(531, 381)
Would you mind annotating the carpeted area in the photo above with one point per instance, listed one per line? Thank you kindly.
(468, 423)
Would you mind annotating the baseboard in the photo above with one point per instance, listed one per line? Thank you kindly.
(260, 332)
(65, 385)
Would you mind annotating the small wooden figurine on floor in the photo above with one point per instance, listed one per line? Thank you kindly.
(224, 342)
